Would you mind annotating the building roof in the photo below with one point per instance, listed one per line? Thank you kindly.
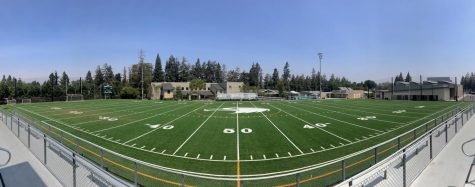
(437, 79)
(216, 88)
(167, 86)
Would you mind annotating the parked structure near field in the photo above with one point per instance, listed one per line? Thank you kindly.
(347, 93)
(433, 89)
(168, 90)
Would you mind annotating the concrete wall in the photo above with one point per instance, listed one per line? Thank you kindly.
(234, 87)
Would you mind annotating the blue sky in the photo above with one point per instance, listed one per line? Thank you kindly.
(367, 39)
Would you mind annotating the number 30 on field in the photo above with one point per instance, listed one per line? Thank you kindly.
(231, 130)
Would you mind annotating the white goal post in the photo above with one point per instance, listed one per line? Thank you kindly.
(25, 101)
(74, 97)
(11, 101)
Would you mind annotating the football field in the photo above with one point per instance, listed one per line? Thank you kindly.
(235, 139)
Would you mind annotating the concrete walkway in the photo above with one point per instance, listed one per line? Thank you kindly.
(450, 167)
(24, 169)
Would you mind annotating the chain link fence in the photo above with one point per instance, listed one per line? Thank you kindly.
(395, 162)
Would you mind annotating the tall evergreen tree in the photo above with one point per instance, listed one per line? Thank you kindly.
(286, 76)
(275, 78)
(64, 82)
(158, 74)
(408, 77)
(98, 81)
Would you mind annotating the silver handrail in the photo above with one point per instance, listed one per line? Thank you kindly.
(463, 150)
(9, 157)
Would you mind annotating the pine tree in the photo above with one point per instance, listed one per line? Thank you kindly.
(89, 84)
(64, 82)
(158, 71)
(408, 78)
(275, 78)
(286, 76)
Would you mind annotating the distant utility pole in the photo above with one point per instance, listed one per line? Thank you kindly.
(142, 64)
(420, 83)
(80, 84)
(320, 56)
(392, 88)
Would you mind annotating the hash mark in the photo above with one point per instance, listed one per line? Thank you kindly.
(186, 154)
(289, 154)
(163, 151)
(211, 157)
(153, 149)
(264, 156)
(277, 155)
(198, 156)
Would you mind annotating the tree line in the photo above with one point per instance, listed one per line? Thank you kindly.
(128, 82)
(468, 82)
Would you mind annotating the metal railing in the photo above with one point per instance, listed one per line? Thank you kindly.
(403, 167)
(79, 162)
(468, 155)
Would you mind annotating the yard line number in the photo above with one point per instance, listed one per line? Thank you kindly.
(232, 130)
(316, 125)
(165, 127)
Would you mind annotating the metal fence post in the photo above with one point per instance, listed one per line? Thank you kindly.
(102, 158)
(136, 177)
(456, 120)
(462, 117)
(398, 143)
(404, 168)
(343, 170)
(183, 180)
(430, 145)
(29, 136)
(446, 134)
(375, 155)
(297, 179)
(44, 148)
(74, 169)
(18, 127)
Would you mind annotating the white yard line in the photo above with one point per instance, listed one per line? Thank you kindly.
(189, 137)
(132, 122)
(353, 115)
(288, 139)
(144, 134)
(313, 105)
(237, 131)
(311, 123)
(336, 119)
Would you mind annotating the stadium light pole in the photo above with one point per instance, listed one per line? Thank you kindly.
(141, 64)
(320, 57)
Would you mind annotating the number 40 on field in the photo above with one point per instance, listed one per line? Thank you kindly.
(317, 125)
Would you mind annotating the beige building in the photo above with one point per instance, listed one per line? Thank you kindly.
(347, 93)
(168, 90)
(442, 90)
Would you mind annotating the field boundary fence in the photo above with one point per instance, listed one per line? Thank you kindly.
(75, 161)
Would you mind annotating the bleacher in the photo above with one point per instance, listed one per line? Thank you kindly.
(236, 96)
